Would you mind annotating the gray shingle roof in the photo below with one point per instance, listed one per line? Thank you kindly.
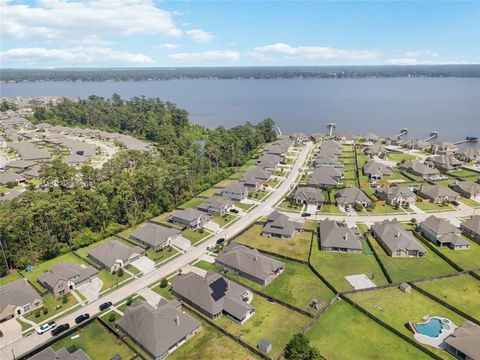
(351, 195)
(333, 235)
(280, 224)
(396, 237)
(375, 168)
(416, 167)
(17, 293)
(8, 177)
(20, 164)
(188, 214)
(29, 152)
(309, 194)
(435, 191)
(62, 354)
(466, 338)
(154, 234)
(473, 224)
(157, 330)
(67, 271)
(112, 251)
(215, 202)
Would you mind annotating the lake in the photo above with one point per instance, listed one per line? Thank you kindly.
(450, 106)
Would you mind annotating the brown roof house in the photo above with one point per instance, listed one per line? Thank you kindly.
(438, 194)
(396, 240)
(394, 195)
(154, 236)
(464, 343)
(235, 192)
(443, 234)
(214, 295)
(114, 255)
(337, 238)
(60, 279)
(471, 228)
(62, 354)
(19, 165)
(468, 154)
(259, 174)
(249, 263)
(8, 177)
(281, 226)
(467, 189)
(193, 219)
(326, 177)
(445, 162)
(216, 205)
(417, 168)
(376, 171)
(18, 298)
(350, 196)
(375, 150)
(158, 331)
(308, 195)
(325, 160)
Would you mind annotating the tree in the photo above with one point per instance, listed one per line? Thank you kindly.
(65, 298)
(299, 349)
(164, 283)
(129, 301)
(111, 317)
(120, 272)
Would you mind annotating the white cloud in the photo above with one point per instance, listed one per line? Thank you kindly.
(212, 55)
(310, 53)
(167, 46)
(413, 54)
(199, 35)
(65, 20)
(415, 61)
(74, 56)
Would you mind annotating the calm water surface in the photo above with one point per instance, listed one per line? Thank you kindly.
(450, 106)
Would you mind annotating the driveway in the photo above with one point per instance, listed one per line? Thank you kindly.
(417, 209)
(150, 296)
(91, 290)
(212, 226)
(11, 330)
(189, 268)
(311, 209)
(144, 264)
(182, 243)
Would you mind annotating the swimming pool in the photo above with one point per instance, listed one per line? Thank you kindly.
(433, 327)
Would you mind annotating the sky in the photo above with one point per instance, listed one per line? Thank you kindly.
(149, 33)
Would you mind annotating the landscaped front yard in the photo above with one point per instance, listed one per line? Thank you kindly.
(343, 332)
(290, 206)
(462, 292)
(96, 342)
(53, 306)
(271, 322)
(428, 206)
(195, 236)
(161, 255)
(397, 157)
(297, 248)
(223, 220)
(258, 195)
(397, 308)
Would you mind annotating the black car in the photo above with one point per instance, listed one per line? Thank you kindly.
(105, 305)
(81, 318)
(59, 329)
(305, 214)
(456, 203)
(235, 211)
(220, 241)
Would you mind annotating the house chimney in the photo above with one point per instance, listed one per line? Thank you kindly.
(177, 320)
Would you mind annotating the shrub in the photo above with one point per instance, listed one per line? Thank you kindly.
(45, 311)
(129, 301)
(164, 283)
(111, 317)
(64, 299)
(37, 313)
(120, 272)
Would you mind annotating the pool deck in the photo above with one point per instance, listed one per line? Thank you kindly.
(437, 341)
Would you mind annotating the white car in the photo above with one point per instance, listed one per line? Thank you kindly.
(46, 327)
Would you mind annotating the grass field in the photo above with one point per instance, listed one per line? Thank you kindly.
(342, 321)
(399, 157)
(296, 285)
(297, 248)
(226, 182)
(244, 207)
(270, 321)
(470, 202)
(397, 308)
(161, 255)
(259, 194)
(4, 280)
(330, 209)
(210, 344)
(426, 205)
(192, 203)
(384, 209)
(335, 266)
(464, 173)
(462, 292)
(223, 220)
(412, 268)
(195, 236)
(466, 259)
(96, 342)
(209, 192)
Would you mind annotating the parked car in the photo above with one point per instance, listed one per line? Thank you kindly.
(235, 211)
(59, 329)
(81, 318)
(105, 305)
(305, 214)
(220, 241)
(45, 327)
(456, 203)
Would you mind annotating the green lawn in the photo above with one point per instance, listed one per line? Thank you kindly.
(464, 173)
(466, 259)
(259, 194)
(271, 321)
(290, 206)
(111, 280)
(244, 207)
(383, 209)
(462, 292)
(96, 342)
(426, 205)
(195, 236)
(192, 203)
(161, 255)
(205, 265)
(337, 334)
(53, 306)
(163, 292)
(4, 280)
(223, 220)
(209, 192)
(297, 248)
(210, 344)
(412, 268)
(362, 159)
(470, 202)
(335, 266)
(399, 157)
(296, 285)
(397, 308)
(225, 182)
(330, 209)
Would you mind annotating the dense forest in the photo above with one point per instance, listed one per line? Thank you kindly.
(82, 206)
(266, 72)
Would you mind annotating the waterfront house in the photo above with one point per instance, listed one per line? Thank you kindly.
(468, 154)
(445, 163)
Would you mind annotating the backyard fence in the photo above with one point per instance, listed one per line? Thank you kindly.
(380, 263)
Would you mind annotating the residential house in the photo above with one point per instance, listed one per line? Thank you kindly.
(443, 148)
(32, 172)
(8, 177)
(345, 136)
(155, 236)
(443, 234)
(18, 298)
(333, 237)
(376, 171)
(327, 161)
(445, 163)
(249, 263)
(235, 192)
(281, 226)
(216, 205)
(326, 177)
(158, 331)
(438, 194)
(464, 342)
(467, 189)
(268, 162)
(193, 219)
(417, 168)
(471, 228)
(11, 195)
(131, 143)
(375, 150)
(259, 174)
(419, 145)
(371, 138)
(468, 154)
(114, 255)
(350, 196)
(394, 195)
(251, 184)
(19, 165)
(214, 296)
(308, 195)
(396, 240)
(331, 148)
(61, 354)
(29, 152)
